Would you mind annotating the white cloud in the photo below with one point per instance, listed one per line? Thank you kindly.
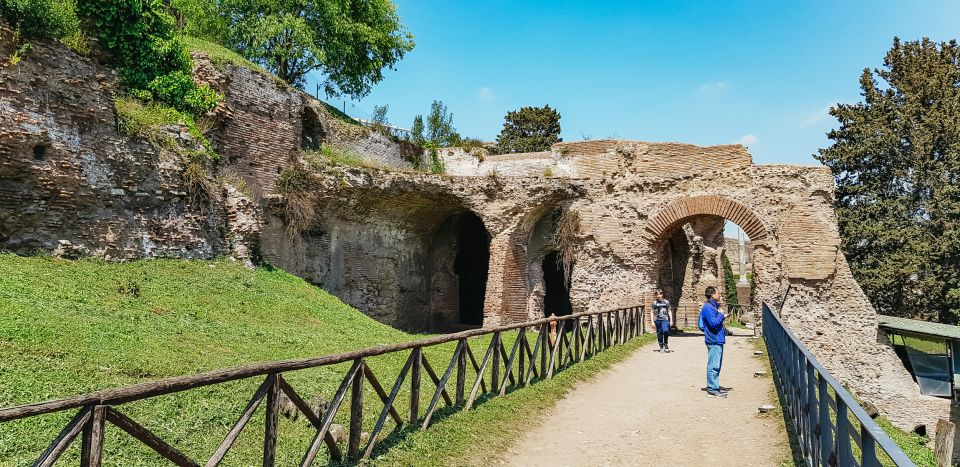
(815, 118)
(716, 87)
(748, 140)
(485, 94)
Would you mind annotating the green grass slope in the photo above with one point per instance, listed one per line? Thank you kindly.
(69, 327)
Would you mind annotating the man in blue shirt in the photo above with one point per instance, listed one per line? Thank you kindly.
(711, 323)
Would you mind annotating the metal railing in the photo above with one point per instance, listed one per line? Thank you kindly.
(560, 342)
(685, 313)
(819, 408)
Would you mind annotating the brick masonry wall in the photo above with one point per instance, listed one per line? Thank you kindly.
(71, 184)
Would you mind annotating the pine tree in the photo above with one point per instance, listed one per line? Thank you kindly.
(896, 162)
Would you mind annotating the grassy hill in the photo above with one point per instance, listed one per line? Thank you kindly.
(68, 327)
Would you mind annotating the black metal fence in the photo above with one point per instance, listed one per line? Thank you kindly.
(685, 313)
(820, 409)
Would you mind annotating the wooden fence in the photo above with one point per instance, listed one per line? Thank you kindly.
(559, 342)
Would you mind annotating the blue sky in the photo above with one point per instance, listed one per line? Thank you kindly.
(758, 72)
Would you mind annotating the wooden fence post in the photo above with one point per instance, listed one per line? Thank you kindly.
(270, 422)
(91, 447)
(495, 366)
(415, 385)
(356, 414)
(943, 446)
(461, 371)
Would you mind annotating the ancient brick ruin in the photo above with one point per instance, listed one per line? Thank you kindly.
(477, 246)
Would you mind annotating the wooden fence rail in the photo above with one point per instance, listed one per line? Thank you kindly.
(557, 343)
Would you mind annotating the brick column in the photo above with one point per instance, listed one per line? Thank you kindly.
(505, 300)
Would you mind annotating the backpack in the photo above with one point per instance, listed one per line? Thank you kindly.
(700, 322)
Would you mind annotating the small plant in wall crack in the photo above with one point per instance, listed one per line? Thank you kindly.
(297, 185)
(197, 179)
(19, 54)
(568, 227)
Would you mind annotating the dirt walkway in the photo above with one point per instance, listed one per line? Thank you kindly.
(650, 410)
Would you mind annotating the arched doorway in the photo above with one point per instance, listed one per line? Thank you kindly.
(696, 245)
(556, 295)
(471, 266)
(550, 263)
(459, 262)
(706, 251)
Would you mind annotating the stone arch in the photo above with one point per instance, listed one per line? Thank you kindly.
(312, 133)
(457, 267)
(662, 227)
(684, 209)
(508, 298)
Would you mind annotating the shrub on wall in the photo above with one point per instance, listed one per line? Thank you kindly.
(148, 52)
(41, 19)
(178, 87)
(297, 186)
(152, 121)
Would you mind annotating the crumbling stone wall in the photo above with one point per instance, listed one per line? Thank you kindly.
(382, 241)
(71, 184)
(264, 126)
(629, 211)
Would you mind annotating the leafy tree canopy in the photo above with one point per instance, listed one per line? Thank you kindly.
(896, 162)
(440, 129)
(529, 129)
(349, 41)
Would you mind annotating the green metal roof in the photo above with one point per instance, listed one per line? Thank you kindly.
(920, 327)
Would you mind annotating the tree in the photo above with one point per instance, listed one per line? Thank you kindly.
(730, 295)
(529, 129)
(349, 41)
(41, 18)
(896, 162)
(417, 130)
(379, 118)
(440, 129)
(201, 18)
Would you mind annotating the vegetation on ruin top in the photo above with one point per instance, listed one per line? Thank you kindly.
(222, 56)
(332, 156)
(151, 121)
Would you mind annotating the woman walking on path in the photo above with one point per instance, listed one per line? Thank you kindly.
(660, 309)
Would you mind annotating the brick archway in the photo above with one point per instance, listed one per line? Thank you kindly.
(685, 209)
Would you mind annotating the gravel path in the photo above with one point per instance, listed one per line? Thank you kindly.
(650, 410)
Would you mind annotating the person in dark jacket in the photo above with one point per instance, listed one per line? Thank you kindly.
(714, 336)
(660, 309)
